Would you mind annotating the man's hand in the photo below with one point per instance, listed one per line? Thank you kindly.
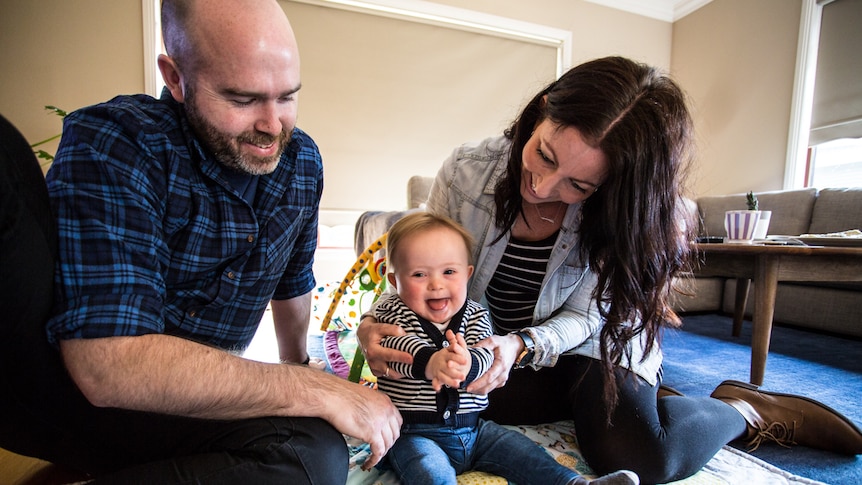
(369, 334)
(450, 365)
(365, 414)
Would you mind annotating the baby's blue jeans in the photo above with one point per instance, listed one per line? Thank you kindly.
(434, 454)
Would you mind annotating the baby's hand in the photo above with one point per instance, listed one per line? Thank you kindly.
(449, 366)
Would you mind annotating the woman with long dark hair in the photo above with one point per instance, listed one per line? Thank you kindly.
(581, 232)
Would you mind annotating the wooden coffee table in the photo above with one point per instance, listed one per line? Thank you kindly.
(766, 265)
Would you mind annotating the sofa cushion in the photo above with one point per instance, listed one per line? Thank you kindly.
(817, 307)
(418, 188)
(373, 224)
(837, 210)
(21, 469)
(791, 210)
(703, 294)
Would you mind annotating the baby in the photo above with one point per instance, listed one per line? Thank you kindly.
(443, 435)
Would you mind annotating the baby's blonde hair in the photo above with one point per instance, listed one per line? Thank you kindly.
(417, 223)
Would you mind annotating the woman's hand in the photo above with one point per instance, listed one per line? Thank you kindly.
(369, 334)
(506, 349)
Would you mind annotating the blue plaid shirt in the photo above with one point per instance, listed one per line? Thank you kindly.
(155, 239)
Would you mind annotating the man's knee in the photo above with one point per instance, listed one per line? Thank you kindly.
(317, 449)
(269, 450)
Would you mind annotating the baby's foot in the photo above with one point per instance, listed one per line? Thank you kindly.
(621, 477)
(316, 363)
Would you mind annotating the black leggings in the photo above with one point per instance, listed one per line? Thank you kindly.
(44, 414)
(661, 440)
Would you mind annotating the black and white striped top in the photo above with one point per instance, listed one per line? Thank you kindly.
(413, 396)
(513, 291)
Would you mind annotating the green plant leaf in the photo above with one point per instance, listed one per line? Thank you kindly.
(751, 201)
(56, 110)
(42, 153)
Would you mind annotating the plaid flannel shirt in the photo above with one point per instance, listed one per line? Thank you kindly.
(154, 239)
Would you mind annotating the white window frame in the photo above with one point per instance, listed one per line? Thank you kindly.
(152, 46)
(411, 10)
(803, 95)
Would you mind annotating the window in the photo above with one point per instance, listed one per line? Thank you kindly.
(153, 46)
(825, 142)
(836, 163)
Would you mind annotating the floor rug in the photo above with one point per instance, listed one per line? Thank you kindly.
(728, 467)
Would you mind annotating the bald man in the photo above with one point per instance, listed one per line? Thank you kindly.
(179, 219)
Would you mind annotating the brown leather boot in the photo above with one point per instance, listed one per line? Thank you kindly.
(790, 420)
(664, 390)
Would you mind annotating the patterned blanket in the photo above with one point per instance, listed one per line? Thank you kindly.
(729, 467)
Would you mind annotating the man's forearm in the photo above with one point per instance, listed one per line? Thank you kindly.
(291, 319)
(170, 375)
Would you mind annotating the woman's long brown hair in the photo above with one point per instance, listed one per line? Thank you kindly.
(634, 231)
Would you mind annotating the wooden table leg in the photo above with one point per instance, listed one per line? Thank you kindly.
(765, 286)
(742, 285)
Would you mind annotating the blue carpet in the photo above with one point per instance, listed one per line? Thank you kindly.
(826, 368)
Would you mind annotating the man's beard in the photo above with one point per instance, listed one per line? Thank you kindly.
(226, 148)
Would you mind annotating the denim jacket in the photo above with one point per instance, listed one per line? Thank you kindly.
(566, 316)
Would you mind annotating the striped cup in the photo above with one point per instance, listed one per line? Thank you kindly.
(740, 226)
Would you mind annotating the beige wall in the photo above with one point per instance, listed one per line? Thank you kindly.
(736, 59)
(72, 54)
(597, 31)
(68, 54)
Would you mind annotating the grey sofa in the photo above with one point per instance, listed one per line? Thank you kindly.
(372, 224)
(835, 308)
